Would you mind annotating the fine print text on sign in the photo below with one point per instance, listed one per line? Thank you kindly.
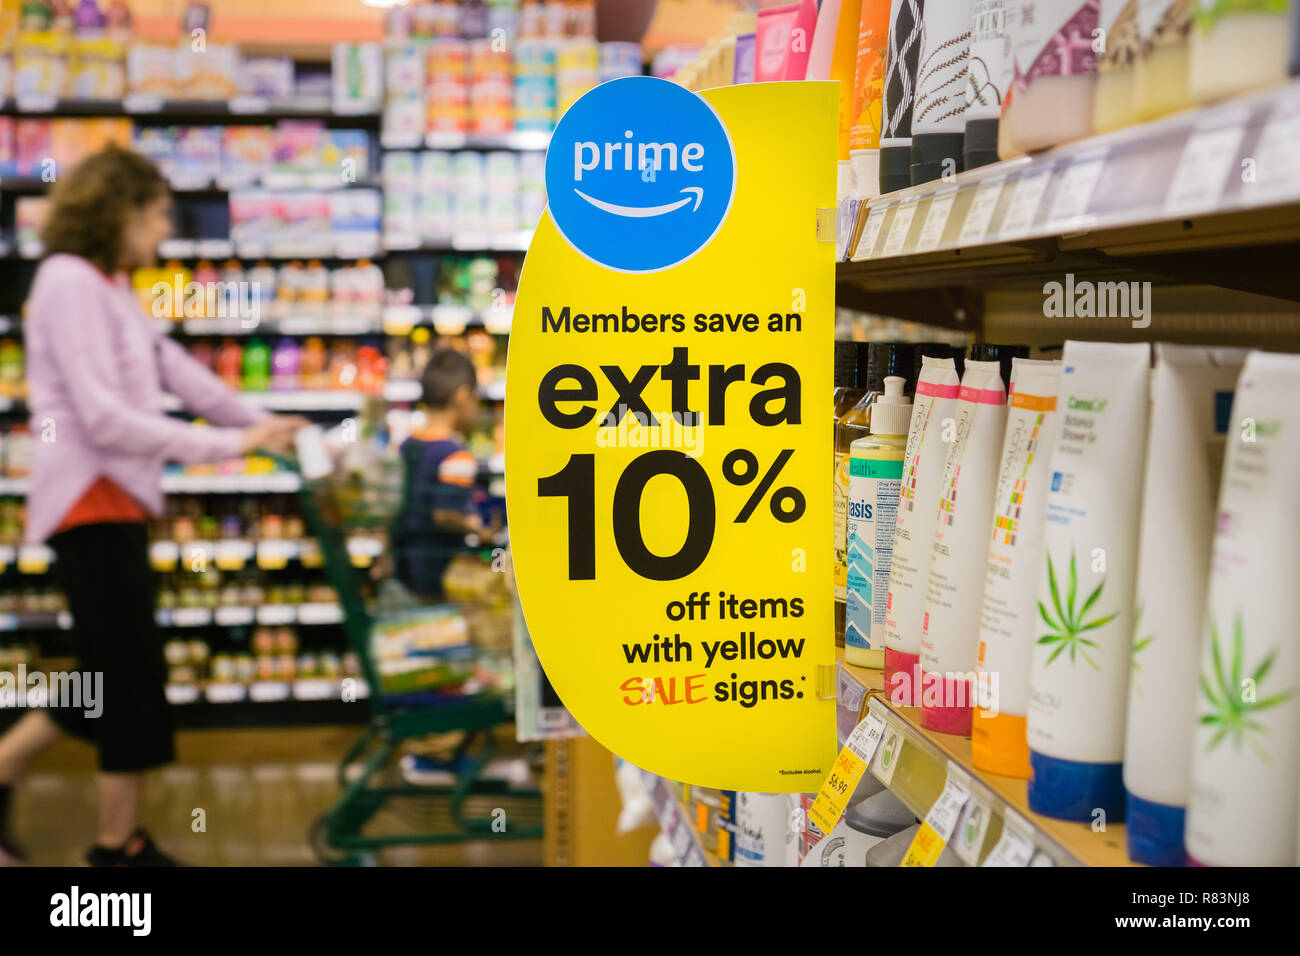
(670, 383)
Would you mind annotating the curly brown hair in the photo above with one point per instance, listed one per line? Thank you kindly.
(90, 205)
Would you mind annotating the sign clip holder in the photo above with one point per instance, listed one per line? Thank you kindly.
(827, 226)
(827, 684)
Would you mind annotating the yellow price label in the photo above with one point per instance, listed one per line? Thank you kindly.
(938, 825)
(926, 847)
(845, 776)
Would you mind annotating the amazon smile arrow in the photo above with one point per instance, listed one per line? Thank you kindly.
(645, 212)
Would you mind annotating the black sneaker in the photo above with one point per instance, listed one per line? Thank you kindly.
(138, 851)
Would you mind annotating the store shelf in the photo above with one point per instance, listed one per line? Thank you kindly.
(1192, 197)
(446, 319)
(276, 482)
(305, 615)
(246, 109)
(292, 711)
(230, 693)
(325, 323)
(516, 140)
(409, 390)
(297, 400)
(460, 242)
(36, 621)
(322, 181)
(347, 248)
(271, 615)
(919, 769)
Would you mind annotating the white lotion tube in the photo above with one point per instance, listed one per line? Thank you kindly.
(963, 516)
(931, 428)
(1079, 669)
(1191, 402)
(1009, 621)
(1246, 751)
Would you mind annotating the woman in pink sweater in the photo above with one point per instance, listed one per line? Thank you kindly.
(97, 369)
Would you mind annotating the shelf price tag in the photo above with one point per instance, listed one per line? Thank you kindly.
(1013, 847)
(891, 748)
(899, 228)
(938, 826)
(980, 213)
(1277, 175)
(968, 838)
(664, 475)
(870, 232)
(1203, 168)
(1074, 192)
(1026, 197)
(844, 777)
(935, 221)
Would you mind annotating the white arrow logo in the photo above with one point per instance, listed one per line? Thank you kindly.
(645, 212)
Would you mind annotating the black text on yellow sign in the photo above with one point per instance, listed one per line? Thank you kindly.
(666, 440)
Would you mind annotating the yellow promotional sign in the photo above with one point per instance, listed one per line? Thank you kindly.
(668, 428)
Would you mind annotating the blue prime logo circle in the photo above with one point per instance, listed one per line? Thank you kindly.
(640, 174)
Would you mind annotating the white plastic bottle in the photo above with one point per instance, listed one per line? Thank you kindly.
(963, 517)
(1191, 401)
(988, 77)
(761, 822)
(938, 121)
(1079, 669)
(936, 395)
(905, 25)
(876, 471)
(1246, 751)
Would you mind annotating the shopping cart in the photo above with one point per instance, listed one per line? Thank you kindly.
(354, 516)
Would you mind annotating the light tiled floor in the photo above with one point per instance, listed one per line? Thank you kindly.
(259, 792)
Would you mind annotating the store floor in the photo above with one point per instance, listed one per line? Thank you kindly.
(259, 790)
